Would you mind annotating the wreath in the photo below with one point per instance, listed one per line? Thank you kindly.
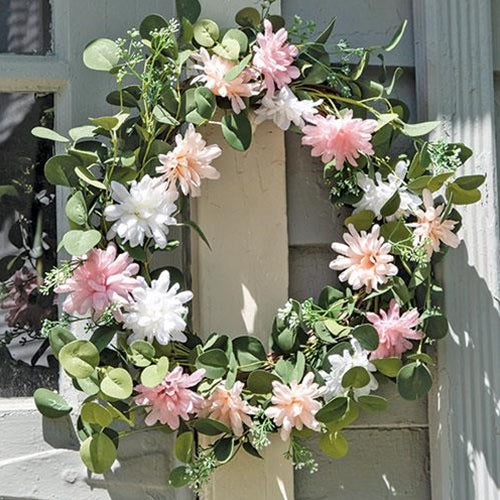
(130, 177)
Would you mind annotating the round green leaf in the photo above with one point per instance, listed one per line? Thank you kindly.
(94, 413)
(58, 338)
(206, 32)
(436, 327)
(361, 220)
(248, 17)
(142, 353)
(47, 133)
(184, 447)
(205, 102)
(224, 449)
(60, 170)
(261, 382)
(151, 23)
(388, 366)
(356, 377)
(83, 132)
(76, 209)
(78, 242)
(51, 404)
(190, 9)
(366, 335)
(237, 131)
(214, 362)
(153, 375)
(98, 453)
(414, 381)
(239, 36)
(179, 477)
(117, 384)
(101, 55)
(249, 352)
(372, 404)
(228, 49)
(333, 410)
(334, 444)
(79, 358)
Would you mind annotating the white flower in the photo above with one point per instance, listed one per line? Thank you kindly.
(284, 107)
(157, 311)
(377, 193)
(144, 212)
(341, 364)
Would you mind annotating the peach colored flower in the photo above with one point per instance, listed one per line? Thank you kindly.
(102, 279)
(295, 406)
(173, 399)
(393, 330)
(227, 406)
(431, 229)
(274, 58)
(341, 138)
(214, 68)
(189, 162)
(365, 260)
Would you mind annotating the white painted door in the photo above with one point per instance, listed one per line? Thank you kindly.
(40, 68)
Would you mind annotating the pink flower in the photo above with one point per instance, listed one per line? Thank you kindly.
(295, 406)
(214, 68)
(341, 138)
(227, 406)
(365, 260)
(431, 229)
(101, 280)
(189, 162)
(172, 399)
(274, 57)
(394, 330)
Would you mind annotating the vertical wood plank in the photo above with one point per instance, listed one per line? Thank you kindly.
(454, 67)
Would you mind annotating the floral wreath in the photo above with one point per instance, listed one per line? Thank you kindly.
(131, 175)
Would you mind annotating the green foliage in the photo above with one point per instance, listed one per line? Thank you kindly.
(51, 404)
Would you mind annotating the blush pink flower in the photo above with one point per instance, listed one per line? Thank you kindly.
(431, 229)
(189, 162)
(172, 399)
(214, 68)
(341, 138)
(365, 260)
(295, 406)
(274, 58)
(393, 330)
(227, 406)
(100, 280)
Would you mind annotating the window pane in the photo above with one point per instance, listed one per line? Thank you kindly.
(25, 26)
(27, 243)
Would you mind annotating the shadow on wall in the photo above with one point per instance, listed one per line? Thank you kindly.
(471, 351)
(141, 471)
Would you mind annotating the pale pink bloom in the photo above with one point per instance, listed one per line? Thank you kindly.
(295, 406)
(227, 406)
(172, 399)
(341, 138)
(431, 229)
(274, 58)
(100, 280)
(214, 68)
(189, 162)
(393, 330)
(365, 260)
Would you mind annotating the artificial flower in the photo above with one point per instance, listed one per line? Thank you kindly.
(341, 364)
(157, 311)
(376, 193)
(294, 406)
(283, 108)
(365, 260)
(274, 57)
(343, 138)
(101, 280)
(189, 162)
(393, 330)
(145, 211)
(214, 69)
(431, 229)
(227, 406)
(172, 400)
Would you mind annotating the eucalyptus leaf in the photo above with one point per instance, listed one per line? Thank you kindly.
(60, 170)
(94, 413)
(98, 453)
(237, 131)
(117, 384)
(51, 404)
(48, 134)
(78, 243)
(414, 381)
(101, 54)
(206, 32)
(334, 444)
(79, 358)
(184, 445)
(76, 208)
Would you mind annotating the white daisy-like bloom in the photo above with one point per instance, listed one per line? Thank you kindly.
(283, 108)
(144, 211)
(157, 311)
(340, 364)
(378, 192)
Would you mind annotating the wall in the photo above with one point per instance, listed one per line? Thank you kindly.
(388, 455)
